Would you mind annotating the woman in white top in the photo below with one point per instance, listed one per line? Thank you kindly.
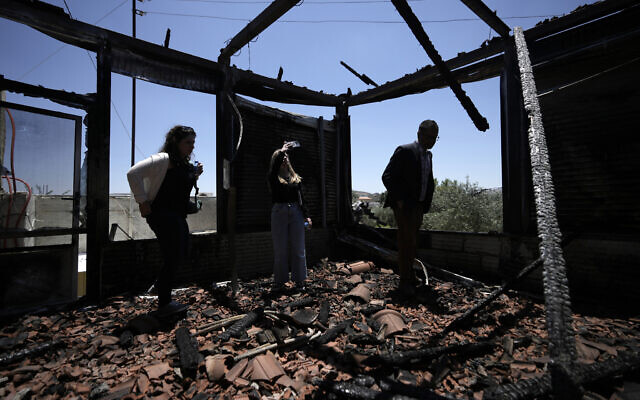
(161, 185)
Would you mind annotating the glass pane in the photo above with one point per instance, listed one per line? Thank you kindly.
(39, 151)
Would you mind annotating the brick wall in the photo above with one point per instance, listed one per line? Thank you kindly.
(130, 265)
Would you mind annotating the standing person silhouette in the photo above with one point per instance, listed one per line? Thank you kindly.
(288, 216)
(409, 181)
(161, 185)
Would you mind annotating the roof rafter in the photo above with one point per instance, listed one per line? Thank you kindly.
(416, 27)
(267, 17)
(488, 16)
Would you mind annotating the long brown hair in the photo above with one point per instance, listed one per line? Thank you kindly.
(277, 158)
(171, 140)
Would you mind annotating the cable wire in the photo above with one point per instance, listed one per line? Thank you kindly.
(63, 46)
(126, 130)
(339, 20)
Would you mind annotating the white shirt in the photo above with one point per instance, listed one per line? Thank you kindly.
(425, 161)
(146, 176)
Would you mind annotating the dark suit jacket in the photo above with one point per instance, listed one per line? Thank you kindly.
(403, 178)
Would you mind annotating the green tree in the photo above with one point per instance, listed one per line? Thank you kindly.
(456, 206)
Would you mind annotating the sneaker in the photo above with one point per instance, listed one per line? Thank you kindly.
(172, 308)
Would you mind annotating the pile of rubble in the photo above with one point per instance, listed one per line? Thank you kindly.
(350, 334)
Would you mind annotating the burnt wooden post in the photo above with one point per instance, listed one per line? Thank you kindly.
(98, 174)
(562, 345)
(323, 193)
(225, 153)
(343, 164)
(517, 189)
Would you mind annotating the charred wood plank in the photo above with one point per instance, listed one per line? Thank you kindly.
(323, 315)
(15, 356)
(351, 390)
(464, 318)
(414, 82)
(333, 332)
(418, 31)
(364, 78)
(218, 324)
(391, 257)
(540, 387)
(562, 347)
(143, 60)
(82, 101)
(267, 17)
(416, 356)
(190, 358)
(240, 327)
(488, 16)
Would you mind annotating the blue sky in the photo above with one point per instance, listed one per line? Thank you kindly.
(309, 44)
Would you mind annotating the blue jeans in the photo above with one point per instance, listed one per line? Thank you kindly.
(287, 232)
(172, 232)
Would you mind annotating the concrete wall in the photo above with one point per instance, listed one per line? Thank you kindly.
(56, 212)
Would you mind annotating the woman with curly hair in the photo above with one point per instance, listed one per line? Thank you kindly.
(161, 185)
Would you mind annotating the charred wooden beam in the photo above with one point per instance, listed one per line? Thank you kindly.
(239, 327)
(461, 320)
(190, 358)
(420, 355)
(488, 16)
(412, 83)
(333, 332)
(264, 88)
(562, 348)
(391, 257)
(143, 60)
(418, 31)
(98, 169)
(579, 16)
(541, 387)
(10, 358)
(82, 101)
(267, 17)
(363, 77)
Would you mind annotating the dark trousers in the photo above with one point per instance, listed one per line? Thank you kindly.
(409, 219)
(172, 232)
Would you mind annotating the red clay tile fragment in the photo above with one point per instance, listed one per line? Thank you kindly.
(286, 381)
(392, 320)
(157, 370)
(216, 366)
(266, 367)
(104, 340)
(124, 386)
(600, 346)
(236, 371)
(360, 267)
(143, 383)
(361, 292)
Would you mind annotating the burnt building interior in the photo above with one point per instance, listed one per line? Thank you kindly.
(570, 108)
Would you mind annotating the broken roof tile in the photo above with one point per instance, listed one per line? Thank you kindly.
(266, 367)
(360, 292)
(155, 371)
(391, 320)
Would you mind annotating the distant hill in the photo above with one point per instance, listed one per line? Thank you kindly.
(358, 193)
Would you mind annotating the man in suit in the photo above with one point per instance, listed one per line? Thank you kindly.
(409, 182)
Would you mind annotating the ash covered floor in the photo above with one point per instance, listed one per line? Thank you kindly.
(350, 334)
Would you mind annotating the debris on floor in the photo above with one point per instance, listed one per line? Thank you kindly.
(350, 333)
